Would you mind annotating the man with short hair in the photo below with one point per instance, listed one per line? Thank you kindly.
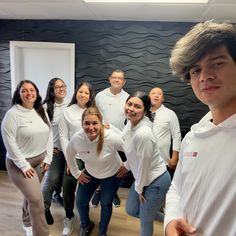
(202, 198)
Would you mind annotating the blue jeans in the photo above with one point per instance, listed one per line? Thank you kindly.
(148, 211)
(109, 187)
(54, 177)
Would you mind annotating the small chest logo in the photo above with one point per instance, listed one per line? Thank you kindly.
(190, 154)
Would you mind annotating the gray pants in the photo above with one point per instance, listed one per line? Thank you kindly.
(53, 177)
(33, 207)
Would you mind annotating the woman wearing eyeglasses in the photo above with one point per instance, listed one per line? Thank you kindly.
(54, 104)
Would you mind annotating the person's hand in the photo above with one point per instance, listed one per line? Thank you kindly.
(29, 173)
(107, 126)
(172, 163)
(44, 167)
(83, 178)
(179, 227)
(122, 171)
(173, 160)
(142, 198)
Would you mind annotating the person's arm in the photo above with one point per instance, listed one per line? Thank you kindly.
(71, 160)
(63, 129)
(174, 224)
(144, 151)
(176, 140)
(49, 147)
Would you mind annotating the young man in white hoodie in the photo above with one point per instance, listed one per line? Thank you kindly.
(201, 199)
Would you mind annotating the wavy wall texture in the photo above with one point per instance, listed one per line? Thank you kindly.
(141, 49)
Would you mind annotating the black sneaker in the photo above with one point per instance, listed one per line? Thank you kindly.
(49, 217)
(116, 201)
(95, 199)
(86, 231)
(57, 199)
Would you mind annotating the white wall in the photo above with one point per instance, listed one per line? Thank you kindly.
(42, 61)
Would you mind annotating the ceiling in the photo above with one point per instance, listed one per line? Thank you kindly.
(221, 10)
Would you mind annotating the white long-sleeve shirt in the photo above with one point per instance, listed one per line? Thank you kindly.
(166, 128)
(58, 110)
(69, 123)
(26, 135)
(103, 165)
(112, 107)
(203, 190)
(142, 152)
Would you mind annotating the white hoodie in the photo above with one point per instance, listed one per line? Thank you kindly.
(203, 190)
(142, 152)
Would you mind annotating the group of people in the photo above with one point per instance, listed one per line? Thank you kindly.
(94, 141)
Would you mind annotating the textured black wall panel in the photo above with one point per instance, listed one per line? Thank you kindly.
(141, 49)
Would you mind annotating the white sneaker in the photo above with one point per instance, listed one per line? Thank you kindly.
(69, 225)
(28, 231)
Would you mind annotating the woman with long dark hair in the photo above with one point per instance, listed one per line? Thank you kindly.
(147, 194)
(54, 103)
(27, 136)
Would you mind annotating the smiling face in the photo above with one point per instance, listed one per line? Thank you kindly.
(157, 98)
(213, 79)
(134, 110)
(83, 96)
(28, 95)
(92, 126)
(59, 91)
(117, 82)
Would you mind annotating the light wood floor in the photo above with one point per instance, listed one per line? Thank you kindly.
(10, 215)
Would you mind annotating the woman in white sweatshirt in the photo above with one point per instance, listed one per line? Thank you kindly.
(70, 123)
(54, 104)
(27, 136)
(147, 194)
(97, 147)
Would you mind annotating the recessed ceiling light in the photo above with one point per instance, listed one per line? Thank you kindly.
(147, 1)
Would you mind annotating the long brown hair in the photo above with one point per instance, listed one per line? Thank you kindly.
(94, 111)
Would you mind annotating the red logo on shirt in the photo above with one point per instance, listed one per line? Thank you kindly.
(190, 154)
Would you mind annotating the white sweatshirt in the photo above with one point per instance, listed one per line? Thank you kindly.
(58, 110)
(104, 165)
(142, 152)
(203, 190)
(112, 107)
(26, 135)
(69, 123)
(166, 128)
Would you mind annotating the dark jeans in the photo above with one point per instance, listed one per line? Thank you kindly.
(69, 187)
(109, 187)
(171, 172)
(128, 179)
(54, 177)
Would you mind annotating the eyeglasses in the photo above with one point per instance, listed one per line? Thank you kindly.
(116, 77)
(60, 87)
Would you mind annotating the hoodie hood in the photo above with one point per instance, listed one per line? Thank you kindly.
(205, 126)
